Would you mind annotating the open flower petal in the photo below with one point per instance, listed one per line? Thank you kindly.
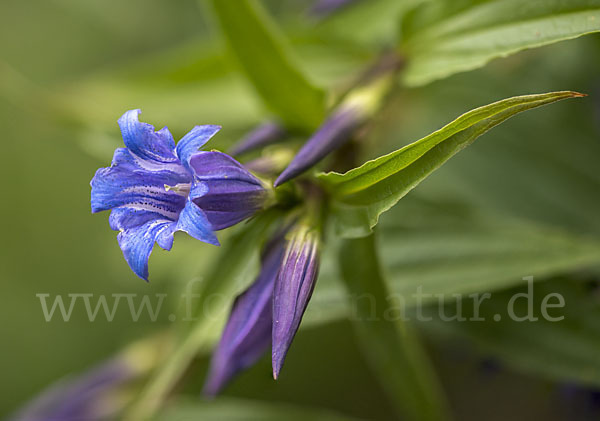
(137, 243)
(194, 140)
(193, 220)
(138, 184)
(142, 140)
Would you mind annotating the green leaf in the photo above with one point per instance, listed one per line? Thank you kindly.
(231, 409)
(391, 347)
(449, 248)
(266, 60)
(450, 37)
(372, 22)
(231, 272)
(565, 349)
(364, 193)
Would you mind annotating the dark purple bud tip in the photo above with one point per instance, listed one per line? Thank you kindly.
(336, 131)
(293, 288)
(247, 334)
(265, 134)
(324, 8)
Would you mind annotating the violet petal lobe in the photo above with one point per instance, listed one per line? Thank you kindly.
(293, 288)
(336, 131)
(247, 334)
(233, 193)
(194, 140)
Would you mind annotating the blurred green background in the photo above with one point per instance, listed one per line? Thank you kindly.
(525, 201)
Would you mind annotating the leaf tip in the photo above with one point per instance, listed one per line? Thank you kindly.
(578, 95)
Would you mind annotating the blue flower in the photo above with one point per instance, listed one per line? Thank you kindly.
(156, 188)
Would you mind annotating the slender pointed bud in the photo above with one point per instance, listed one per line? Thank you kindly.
(293, 288)
(336, 131)
(355, 110)
(324, 8)
(265, 134)
(247, 334)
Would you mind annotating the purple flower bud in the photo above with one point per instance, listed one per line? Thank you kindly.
(336, 131)
(247, 334)
(323, 8)
(263, 135)
(293, 288)
(84, 398)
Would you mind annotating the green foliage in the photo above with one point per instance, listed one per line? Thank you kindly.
(445, 37)
(453, 248)
(564, 347)
(263, 55)
(523, 204)
(391, 347)
(364, 193)
(228, 276)
(230, 409)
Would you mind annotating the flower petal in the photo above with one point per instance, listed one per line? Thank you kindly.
(216, 165)
(137, 243)
(247, 334)
(131, 182)
(233, 193)
(193, 220)
(194, 140)
(143, 141)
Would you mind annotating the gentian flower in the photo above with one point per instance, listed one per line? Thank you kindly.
(293, 288)
(156, 188)
(247, 334)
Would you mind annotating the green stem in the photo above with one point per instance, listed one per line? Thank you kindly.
(224, 280)
(392, 349)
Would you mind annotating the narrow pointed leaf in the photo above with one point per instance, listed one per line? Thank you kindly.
(392, 349)
(265, 58)
(444, 38)
(364, 193)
